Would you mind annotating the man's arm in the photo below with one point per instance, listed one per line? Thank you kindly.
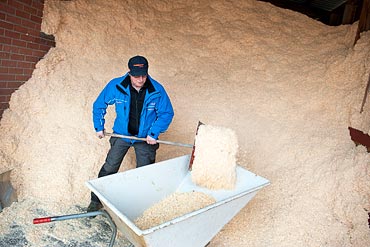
(100, 106)
(165, 115)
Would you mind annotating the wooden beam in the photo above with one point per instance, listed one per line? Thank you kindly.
(351, 11)
(364, 22)
(359, 137)
(365, 95)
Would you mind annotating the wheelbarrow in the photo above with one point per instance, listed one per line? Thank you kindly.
(125, 196)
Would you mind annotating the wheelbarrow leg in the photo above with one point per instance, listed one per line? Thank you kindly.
(75, 216)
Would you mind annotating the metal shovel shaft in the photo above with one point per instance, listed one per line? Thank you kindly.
(65, 217)
(144, 139)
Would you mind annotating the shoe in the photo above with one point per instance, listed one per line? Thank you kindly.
(94, 206)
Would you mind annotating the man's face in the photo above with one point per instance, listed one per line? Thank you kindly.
(138, 81)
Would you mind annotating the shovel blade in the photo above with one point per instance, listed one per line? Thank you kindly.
(192, 153)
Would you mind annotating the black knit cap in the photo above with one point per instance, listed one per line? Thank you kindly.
(138, 66)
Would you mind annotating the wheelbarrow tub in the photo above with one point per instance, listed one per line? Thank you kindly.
(127, 195)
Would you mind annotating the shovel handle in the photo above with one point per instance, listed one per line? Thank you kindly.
(144, 139)
(66, 217)
(75, 216)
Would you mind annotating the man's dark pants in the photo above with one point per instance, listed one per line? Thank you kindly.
(145, 155)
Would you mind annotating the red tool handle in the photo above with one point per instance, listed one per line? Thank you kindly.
(41, 220)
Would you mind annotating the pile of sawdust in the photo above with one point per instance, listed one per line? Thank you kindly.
(288, 85)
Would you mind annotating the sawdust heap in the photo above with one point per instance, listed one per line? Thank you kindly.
(214, 165)
(288, 85)
(174, 205)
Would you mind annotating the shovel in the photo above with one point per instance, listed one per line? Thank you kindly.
(164, 142)
(144, 139)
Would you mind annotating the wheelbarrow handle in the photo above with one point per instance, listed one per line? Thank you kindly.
(144, 139)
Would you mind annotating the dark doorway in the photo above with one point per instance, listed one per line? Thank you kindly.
(329, 12)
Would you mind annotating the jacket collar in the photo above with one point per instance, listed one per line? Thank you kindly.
(126, 82)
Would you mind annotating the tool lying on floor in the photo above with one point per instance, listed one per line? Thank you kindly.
(144, 139)
(76, 216)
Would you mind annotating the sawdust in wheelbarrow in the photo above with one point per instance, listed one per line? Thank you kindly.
(214, 165)
(175, 205)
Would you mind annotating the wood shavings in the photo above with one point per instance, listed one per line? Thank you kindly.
(215, 157)
(173, 206)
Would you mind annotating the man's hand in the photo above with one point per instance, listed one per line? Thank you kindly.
(151, 140)
(100, 134)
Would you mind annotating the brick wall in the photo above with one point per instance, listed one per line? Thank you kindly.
(22, 44)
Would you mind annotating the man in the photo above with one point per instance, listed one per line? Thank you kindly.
(143, 109)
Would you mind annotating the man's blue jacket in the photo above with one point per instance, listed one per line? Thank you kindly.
(156, 115)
